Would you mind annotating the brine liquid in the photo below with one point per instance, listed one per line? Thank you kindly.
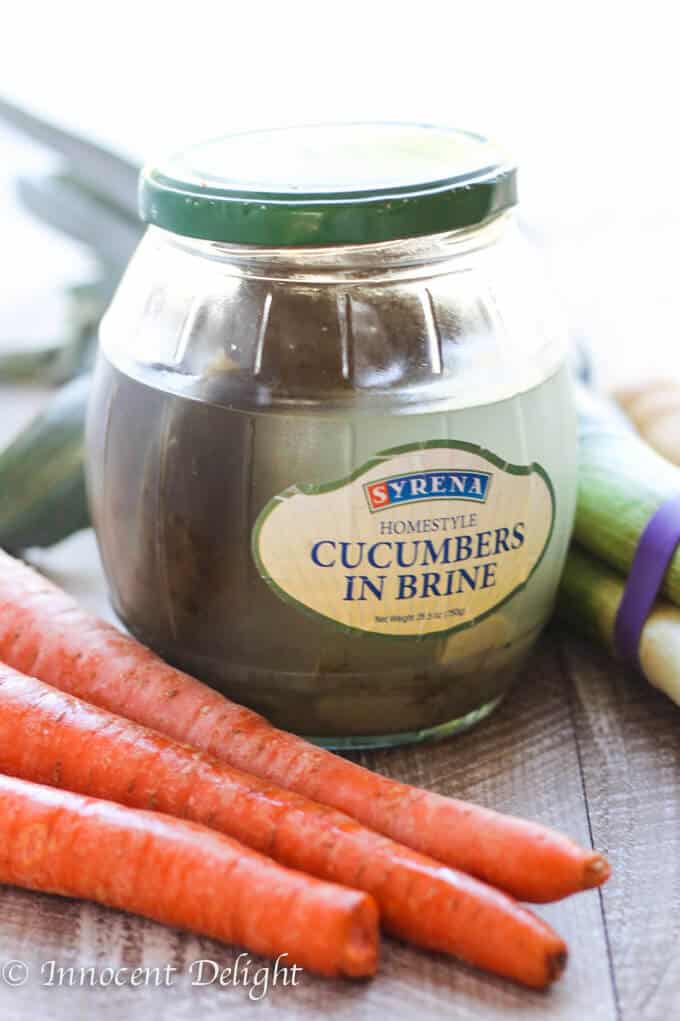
(176, 486)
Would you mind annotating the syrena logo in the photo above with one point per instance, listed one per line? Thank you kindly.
(428, 485)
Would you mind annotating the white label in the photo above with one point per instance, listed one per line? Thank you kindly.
(422, 539)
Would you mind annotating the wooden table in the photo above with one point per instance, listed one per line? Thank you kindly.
(581, 745)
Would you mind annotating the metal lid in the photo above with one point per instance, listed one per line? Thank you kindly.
(328, 185)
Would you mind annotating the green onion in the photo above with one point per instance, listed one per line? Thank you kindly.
(67, 204)
(588, 600)
(622, 482)
(96, 165)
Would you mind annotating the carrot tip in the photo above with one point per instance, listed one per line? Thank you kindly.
(597, 871)
(557, 962)
(361, 953)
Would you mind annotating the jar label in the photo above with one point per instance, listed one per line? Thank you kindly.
(426, 538)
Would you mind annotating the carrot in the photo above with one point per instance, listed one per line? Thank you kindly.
(45, 633)
(54, 738)
(182, 874)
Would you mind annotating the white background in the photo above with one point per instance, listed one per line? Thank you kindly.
(585, 94)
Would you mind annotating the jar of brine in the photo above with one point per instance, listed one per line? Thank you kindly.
(331, 442)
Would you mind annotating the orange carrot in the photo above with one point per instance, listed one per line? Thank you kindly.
(182, 874)
(45, 633)
(54, 738)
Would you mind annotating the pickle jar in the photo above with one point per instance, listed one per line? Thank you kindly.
(331, 440)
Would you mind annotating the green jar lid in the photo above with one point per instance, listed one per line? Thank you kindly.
(329, 185)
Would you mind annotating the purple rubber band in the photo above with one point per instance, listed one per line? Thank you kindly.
(654, 552)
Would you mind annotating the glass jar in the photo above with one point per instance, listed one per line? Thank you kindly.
(331, 442)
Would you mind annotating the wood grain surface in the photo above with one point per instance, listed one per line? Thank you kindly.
(580, 744)
(630, 760)
(524, 759)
